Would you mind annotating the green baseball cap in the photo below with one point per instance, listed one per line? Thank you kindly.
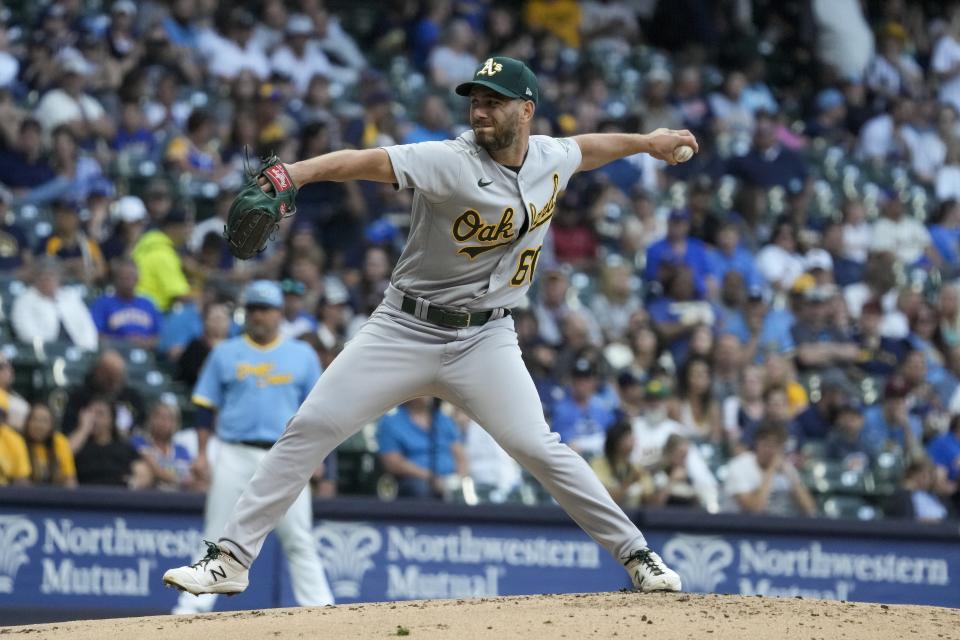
(507, 76)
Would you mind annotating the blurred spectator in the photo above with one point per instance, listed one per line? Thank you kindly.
(915, 499)
(51, 459)
(845, 271)
(134, 137)
(296, 321)
(893, 71)
(71, 105)
(162, 278)
(821, 342)
(743, 412)
(695, 407)
(216, 328)
(129, 217)
(652, 430)
(881, 137)
(123, 316)
(779, 262)
(555, 302)
(196, 153)
(79, 255)
(689, 98)
(333, 315)
(14, 459)
(452, 62)
(168, 462)
(629, 485)
(47, 312)
(731, 115)
(830, 119)
(16, 407)
(300, 57)
(879, 354)
(845, 441)
(107, 380)
(230, 49)
(769, 163)
(655, 107)
(678, 314)
(180, 25)
(433, 124)
(616, 301)
(103, 456)
(582, 417)
(944, 449)
(764, 480)
(730, 255)
(945, 237)
(857, 232)
(815, 421)
(889, 425)
(496, 476)
(945, 62)
(23, 163)
(844, 40)
(674, 486)
(422, 447)
(678, 249)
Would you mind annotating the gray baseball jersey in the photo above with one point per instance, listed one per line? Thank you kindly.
(476, 226)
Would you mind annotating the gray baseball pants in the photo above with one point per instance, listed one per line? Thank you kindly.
(393, 358)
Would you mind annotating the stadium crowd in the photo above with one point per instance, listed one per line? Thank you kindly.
(772, 327)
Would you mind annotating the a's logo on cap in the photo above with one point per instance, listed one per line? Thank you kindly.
(489, 68)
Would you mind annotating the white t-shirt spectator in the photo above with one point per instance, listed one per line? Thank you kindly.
(652, 436)
(490, 466)
(876, 138)
(36, 317)
(455, 66)
(844, 40)
(744, 475)
(856, 241)
(906, 238)
(226, 59)
(58, 107)
(894, 323)
(314, 62)
(883, 76)
(338, 42)
(947, 184)
(778, 266)
(946, 55)
(927, 151)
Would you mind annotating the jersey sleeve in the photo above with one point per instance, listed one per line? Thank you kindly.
(208, 393)
(432, 168)
(569, 156)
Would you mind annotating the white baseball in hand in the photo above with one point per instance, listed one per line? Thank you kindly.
(682, 153)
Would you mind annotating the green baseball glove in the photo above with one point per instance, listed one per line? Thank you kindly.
(256, 214)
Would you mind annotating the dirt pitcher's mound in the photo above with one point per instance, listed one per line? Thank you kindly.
(603, 615)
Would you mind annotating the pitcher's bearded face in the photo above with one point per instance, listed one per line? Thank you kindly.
(495, 119)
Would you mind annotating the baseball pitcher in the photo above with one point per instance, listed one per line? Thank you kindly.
(482, 204)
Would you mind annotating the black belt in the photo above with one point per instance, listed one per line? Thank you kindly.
(259, 444)
(451, 318)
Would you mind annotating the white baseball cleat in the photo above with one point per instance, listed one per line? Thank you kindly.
(216, 572)
(649, 573)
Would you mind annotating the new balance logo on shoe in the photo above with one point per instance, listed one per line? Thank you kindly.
(218, 572)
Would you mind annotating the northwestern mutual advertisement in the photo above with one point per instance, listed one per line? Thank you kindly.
(59, 560)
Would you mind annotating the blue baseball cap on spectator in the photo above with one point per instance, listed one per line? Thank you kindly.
(679, 215)
(829, 99)
(265, 293)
